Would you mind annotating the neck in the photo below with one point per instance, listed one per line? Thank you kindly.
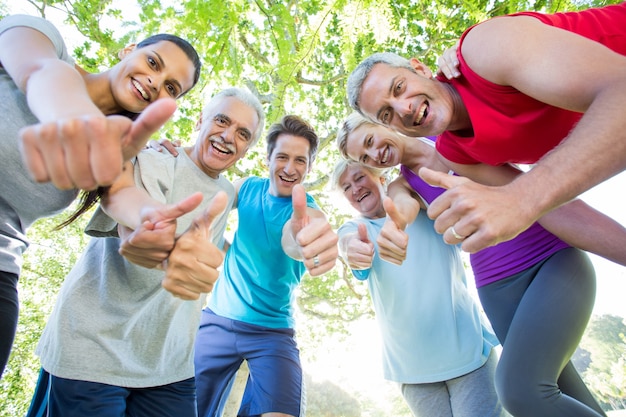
(99, 89)
(460, 117)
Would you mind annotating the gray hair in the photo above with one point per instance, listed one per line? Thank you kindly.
(344, 164)
(360, 73)
(351, 123)
(247, 98)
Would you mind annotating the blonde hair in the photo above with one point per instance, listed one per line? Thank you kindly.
(342, 166)
(349, 125)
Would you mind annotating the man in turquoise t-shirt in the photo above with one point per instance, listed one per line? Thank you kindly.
(281, 234)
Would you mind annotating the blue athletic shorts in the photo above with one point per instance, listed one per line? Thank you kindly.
(275, 381)
(70, 397)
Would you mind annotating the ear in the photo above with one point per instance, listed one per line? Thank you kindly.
(128, 49)
(421, 68)
(198, 124)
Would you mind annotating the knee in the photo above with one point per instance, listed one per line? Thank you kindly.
(521, 397)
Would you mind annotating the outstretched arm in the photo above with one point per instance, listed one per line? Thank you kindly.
(74, 145)
(584, 76)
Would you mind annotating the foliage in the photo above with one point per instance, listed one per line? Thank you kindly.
(296, 56)
(46, 264)
(605, 340)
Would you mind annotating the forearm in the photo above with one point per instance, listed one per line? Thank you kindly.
(126, 204)
(586, 228)
(57, 91)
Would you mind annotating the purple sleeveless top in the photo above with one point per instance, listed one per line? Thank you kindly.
(506, 258)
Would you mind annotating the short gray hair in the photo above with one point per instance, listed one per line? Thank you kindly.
(352, 122)
(247, 98)
(343, 164)
(360, 73)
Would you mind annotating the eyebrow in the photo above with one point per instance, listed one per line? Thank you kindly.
(389, 92)
(162, 62)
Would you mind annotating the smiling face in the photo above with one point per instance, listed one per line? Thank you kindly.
(146, 74)
(375, 145)
(289, 163)
(226, 132)
(363, 190)
(410, 102)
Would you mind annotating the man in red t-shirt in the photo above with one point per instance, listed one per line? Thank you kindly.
(530, 83)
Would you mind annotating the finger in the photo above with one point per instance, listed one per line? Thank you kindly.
(31, 156)
(170, 146)
(440, 179)
(393, 213)
(363, 237)
(298, 200)
(82, 166)
(150, 120)
(184, 206)
(299, 217)
(202, 224)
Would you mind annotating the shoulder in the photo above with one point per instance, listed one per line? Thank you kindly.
(42, 25)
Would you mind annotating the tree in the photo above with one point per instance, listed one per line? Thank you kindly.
(296, 56)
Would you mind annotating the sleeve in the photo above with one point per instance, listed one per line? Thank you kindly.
(43, 26)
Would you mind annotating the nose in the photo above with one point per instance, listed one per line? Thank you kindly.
(228, 134)
(289, 167)
(372, 154)
(155, 84)
(402, 107)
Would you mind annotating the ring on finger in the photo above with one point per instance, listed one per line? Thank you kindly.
(455, 234)
(316, 261)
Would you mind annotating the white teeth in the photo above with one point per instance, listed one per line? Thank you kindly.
(287, 179)
(141, 90)
(363, 196)
(221, 148)
(418, 120)
(383, 160)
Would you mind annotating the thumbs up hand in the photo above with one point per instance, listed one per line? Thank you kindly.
(150, 244)
(359, 250)
(192, 267)
(392, 240)
(310, 232)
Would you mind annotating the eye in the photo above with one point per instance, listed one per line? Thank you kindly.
(220, 121)
(360, 177)
(171, 90)
(399, 87)
(384, 117)
(346, 188)
(152, 62)
(369, 141)
(364, 159)
(244, 135)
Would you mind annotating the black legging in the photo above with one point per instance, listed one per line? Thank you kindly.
(540, 315)
(9, 310)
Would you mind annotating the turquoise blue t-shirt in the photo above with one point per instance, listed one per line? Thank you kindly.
(258, 279)
(431, 327)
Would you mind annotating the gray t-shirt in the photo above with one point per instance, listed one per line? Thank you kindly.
(113, 323)
(22, 201)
